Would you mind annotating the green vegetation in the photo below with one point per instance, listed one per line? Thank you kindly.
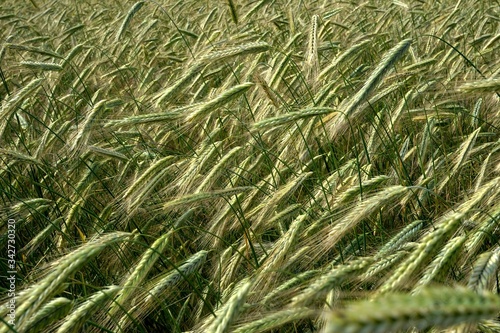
(250, 166)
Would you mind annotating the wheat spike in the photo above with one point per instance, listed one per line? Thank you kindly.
(291, 117)
(229, 52)
(311, 59)
(204, 196)
(427, 246)
(483, 269)
(350, 105)
(441, 307)
(83, 135)
(68, 265)
(361, 211)
(133, 10)
(491, 85)
(43, 66)
(49, 314)
(464, 153)
(334, 277)
(230, 309)
(160, 288)
(402, 237)
(10, 106)
(217, 102)
(74, 322)
(210, 178)
(442, 262)
(275, 320)
(136, 277)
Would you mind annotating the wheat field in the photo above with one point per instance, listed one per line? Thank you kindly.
(250, 166)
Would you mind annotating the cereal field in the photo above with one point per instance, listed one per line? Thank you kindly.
(249, 166)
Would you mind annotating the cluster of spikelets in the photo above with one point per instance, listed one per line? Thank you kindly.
(253, 166)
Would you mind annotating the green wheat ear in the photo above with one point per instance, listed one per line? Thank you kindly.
(9, 107)
(483, 270)
(43, 66)
(276, 319)
(438, 307)
(133, 10)
(230, 309)
(67, 266)
(51, 312)
(76, 319)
